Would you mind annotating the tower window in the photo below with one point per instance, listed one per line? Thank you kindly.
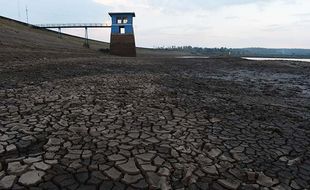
(122, 30)
(119, 20)
(125, 20)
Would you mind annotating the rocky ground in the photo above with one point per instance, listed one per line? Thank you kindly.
(154, 123)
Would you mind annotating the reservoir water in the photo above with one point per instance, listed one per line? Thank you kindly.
(249, 58)
(272, 59)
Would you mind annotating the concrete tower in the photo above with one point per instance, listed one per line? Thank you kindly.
(122, 35)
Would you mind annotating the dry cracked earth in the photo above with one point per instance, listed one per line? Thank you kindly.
(154, 123)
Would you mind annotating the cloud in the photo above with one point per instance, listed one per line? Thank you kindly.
(124, 4)
(174, 6)
(112, 2)
(302, 14)
(210, 23)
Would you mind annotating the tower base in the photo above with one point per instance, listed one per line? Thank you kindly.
(123, 45)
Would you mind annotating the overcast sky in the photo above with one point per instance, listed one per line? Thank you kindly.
(205, 23)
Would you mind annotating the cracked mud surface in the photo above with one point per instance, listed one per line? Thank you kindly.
(154, 123)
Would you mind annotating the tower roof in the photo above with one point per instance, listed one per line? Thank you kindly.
(123, 13)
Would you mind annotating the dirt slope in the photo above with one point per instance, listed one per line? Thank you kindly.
(19, 41)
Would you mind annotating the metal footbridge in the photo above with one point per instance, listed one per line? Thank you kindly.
(74, 25)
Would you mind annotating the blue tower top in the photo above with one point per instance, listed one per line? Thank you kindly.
(122, 23)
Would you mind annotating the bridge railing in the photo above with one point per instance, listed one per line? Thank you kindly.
(74, 25)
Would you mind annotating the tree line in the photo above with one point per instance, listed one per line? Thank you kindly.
(241, 52)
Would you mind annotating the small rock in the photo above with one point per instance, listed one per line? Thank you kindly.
(164, 148)
(229, 183)
(148, 168)
(188, 174)
(2, 150)
(71, 156)
(163, 183)
(199, 173)
(129, 167)
(174, 153)
(210, 170)
(284, 158)
(7, 182)
(294, 161)
(23, 144)
(215, 120)
(144, 136)
(31, 177)
(53, 149)
(10, 148)
(154, 180)
(134, 135)
(113, 173)
(54, 141)
(178, 113)
(125, 147)
(215, 152)
(99, 175)
(4, 138)
(203, 159)
(203, 185)
(241, 157)
(29, 138)
(51, 162)
(251, 176)
(226, 158)
(75, 165)
(295, 185)
(16, 168)
(238, 173)
(116, 157)
(106, 185)
(63, 123)
(103, 167)
(158, 161)
(164, 172)
(87, 154)
(41, 166)
(254, 187)
(82, 177)
(67, 144)
(177, 134)
(32, 160)
(2, 173)
(152, 140)
(130, 179)
(266, 181)
(142, 162)
(113, 144)
(146, 157)
(141, 184)
(237, 149)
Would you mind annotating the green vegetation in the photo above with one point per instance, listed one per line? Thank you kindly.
(242, 52)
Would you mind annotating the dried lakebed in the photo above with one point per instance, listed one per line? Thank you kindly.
(152, 123)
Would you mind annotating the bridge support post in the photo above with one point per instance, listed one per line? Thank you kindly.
(86, 44)
(59, 32)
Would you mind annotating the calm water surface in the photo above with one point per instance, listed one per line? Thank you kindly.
(249, 58)
(272, 59)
